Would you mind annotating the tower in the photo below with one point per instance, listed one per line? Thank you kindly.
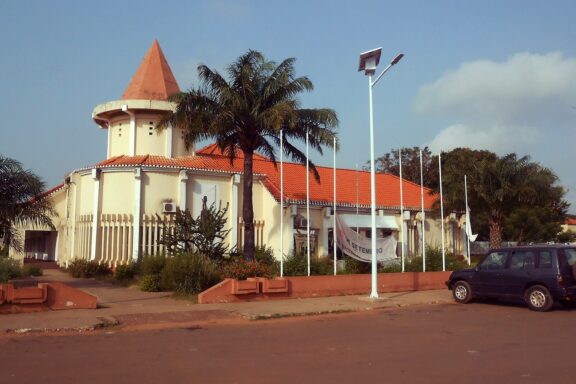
(131, 121)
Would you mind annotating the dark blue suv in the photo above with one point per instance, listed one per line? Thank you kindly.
(539, 274)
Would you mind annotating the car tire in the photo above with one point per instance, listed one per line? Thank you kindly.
(538, 298)
(462, 292)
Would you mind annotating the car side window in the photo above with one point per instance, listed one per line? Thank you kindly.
(494, 261)
(545, 259)
(517, 260)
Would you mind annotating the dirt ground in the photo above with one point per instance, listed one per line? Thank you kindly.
(476, 343)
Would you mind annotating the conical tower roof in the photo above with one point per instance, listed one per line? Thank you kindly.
(154, 79)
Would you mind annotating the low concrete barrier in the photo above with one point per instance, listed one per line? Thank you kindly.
(229, 290)
(45, 296)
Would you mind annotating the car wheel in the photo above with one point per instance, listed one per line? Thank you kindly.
(462, 292)
(538, 298)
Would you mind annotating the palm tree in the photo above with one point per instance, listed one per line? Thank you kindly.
(248, 112)
(508, 184)
(21, 202)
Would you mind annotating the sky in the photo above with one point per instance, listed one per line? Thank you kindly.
(492, 74)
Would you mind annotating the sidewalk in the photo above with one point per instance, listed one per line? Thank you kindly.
(132, 309)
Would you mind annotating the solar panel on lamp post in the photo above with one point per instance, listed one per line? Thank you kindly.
(368, 62)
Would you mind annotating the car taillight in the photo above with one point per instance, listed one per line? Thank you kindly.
(560, 280)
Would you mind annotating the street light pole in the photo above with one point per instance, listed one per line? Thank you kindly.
(368, 63)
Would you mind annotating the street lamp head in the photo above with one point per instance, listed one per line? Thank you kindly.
(397, 59)
(369, 61)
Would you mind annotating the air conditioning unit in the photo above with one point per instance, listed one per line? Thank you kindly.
(168, 207)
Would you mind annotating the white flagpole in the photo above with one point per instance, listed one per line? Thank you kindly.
(467, 218)
(334, 236)
(307, 205)
(357, 221)
(402, 234)
(423, 215)
(441, 210)
(281, 205)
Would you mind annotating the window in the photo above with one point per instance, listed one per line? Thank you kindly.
(545, 259)
(495, 260)
(522, 260)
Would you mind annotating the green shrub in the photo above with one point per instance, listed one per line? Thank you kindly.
(242, 269)
(434, 261)
(150, 283)
(125, 272)
(391, 267)
(85, 268)
(151, 265)
(9, 269)
(31, 270)
(297, 265)
(353, 266)
(189, 273)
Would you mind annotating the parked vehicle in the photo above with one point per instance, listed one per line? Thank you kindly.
(539, 274)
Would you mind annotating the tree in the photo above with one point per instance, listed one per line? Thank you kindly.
(206, 233)
(390, 163)
(21, 202)
(508, 196)
(248, 112)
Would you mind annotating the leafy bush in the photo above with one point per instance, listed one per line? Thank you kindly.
(85, 268)
(242, 269)
(125, 272)
(151, 265)
(150, 283)
(9, 269)
(31, 270)
(353, 266)
(189, 273)
(391, 267)
(434, 261)
(297, 265)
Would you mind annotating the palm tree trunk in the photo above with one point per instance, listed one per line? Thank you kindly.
(248, 208)
(495, 226)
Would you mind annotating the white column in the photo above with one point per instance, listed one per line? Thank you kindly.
(109, 140)
(183, 177)
(132, 130)
(95, 213)
(233, 214)
(73, 241)
(137, 214)
(169, 141)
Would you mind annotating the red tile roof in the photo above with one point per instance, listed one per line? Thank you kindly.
(570, 221)
(154, 79)
(321, 193)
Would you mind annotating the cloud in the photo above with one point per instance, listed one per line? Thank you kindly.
(526, 105)
(497, 138)
(526, 87)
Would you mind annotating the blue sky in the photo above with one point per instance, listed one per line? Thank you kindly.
(497, 75)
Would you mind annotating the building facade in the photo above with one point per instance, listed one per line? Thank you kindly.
(118, 209)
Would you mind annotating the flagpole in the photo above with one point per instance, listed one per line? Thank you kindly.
(441, 210)
(307, 205)
(357, 229)
(281, 205)
(467, 219)
(334, 236)
(423, 215)
(401, 208)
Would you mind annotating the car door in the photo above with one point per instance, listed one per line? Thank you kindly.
(487, 280)
(518, 272)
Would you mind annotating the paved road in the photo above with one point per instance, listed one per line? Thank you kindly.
(476, 343)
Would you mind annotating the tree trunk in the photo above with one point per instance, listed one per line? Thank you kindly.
(495, 233)
(248, 208)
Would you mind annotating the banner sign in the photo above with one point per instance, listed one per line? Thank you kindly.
(360, 248)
